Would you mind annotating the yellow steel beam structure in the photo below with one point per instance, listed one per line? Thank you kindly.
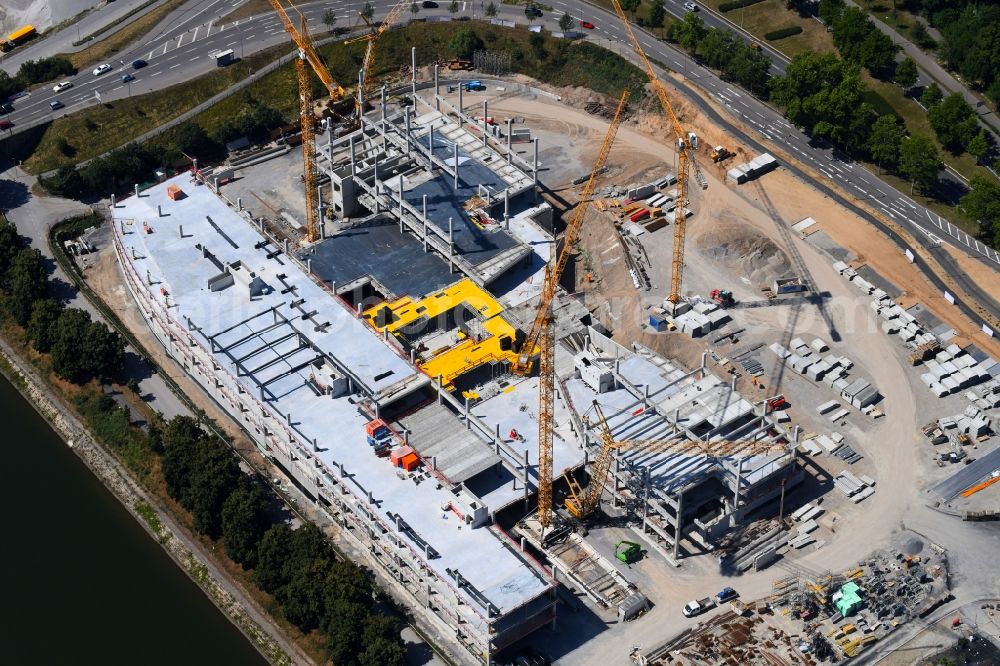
(683, 146)
(307, 54)
(542, 329)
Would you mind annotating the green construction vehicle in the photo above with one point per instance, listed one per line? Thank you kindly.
(628, 551)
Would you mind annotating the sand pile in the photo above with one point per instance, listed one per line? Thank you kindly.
(743, 251)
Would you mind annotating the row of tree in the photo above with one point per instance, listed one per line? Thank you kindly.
(721, 49)
(858, 39)
(315, 589)
(970, 31)
(32, 72)
(80, 349)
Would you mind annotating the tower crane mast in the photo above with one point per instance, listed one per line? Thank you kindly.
(372, 39)
(307, 56)
(542, 333)
(685, 142)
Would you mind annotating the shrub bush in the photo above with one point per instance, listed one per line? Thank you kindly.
(737, 4)
(781, 33)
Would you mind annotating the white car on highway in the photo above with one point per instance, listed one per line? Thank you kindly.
(690, 6)
(102, 69)
(62, 85)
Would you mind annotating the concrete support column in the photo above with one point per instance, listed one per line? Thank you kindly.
(451, 247)
(354, 161)
(413, 72)
(677, 526)
(440, 388)
(430, 150)
(383, 107)
(486, 121)
(506, 209)
(534, 169)
(735, 518)
(525, 469)
(437, 87)
(400, 203)
(461, 105)
(467, 422)
(408, 131)
(510, 122)
(455, 165)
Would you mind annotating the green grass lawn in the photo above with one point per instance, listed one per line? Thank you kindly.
(771, 15)
(900, 19)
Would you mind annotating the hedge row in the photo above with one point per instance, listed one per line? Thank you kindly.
(782, 33)
(736, 4)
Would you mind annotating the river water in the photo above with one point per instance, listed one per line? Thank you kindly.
(82, 582)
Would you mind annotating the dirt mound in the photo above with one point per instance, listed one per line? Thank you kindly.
(743, 251)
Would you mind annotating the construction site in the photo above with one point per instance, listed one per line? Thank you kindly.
(557, 365)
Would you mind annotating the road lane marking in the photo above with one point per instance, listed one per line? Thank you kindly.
(194, 58)
(173, 66)
(155, 74)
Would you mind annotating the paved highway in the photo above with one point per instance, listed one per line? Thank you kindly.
(177, 56)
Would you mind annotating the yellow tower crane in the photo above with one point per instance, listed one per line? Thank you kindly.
(582, 504)
(372, 39)
(542, 335)
(685, 142)
(307, 54)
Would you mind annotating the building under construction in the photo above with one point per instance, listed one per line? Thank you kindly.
(375, 365)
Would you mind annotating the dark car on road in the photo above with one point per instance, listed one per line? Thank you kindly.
(56, 104)
(429, 4)
(533, 11)
(139, 64)
(6, 107)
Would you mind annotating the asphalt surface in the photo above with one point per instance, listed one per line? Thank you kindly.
(182, 51)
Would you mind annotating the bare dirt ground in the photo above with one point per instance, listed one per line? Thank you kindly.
(733, 244)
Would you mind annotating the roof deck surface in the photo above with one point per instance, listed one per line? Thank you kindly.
(263, 336)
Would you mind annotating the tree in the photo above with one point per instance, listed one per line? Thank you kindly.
(491, 9)
(41, 327)
(921, 37)
(919, 162)
(982, 203)
(368, 11)
(906, 73)
(830, 10)
(214, 477)
(464, 43)
(180, 440)
(302, 599)
(64, 337)
(979, 146)
(657, 14)
(26, 283)
(750, 69)
(10, 245)
(883, 144)
(102, 350)
(329, 19)
(343, 628)
(878, 53)
(954, 122)
(566, 22)
(931, 96)
(348, 583)
(244, 521)
(381, 640)
(414, 8)
(453, 7)
(630, 6)
(272, 554)
(192, 139)
(689, 31)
